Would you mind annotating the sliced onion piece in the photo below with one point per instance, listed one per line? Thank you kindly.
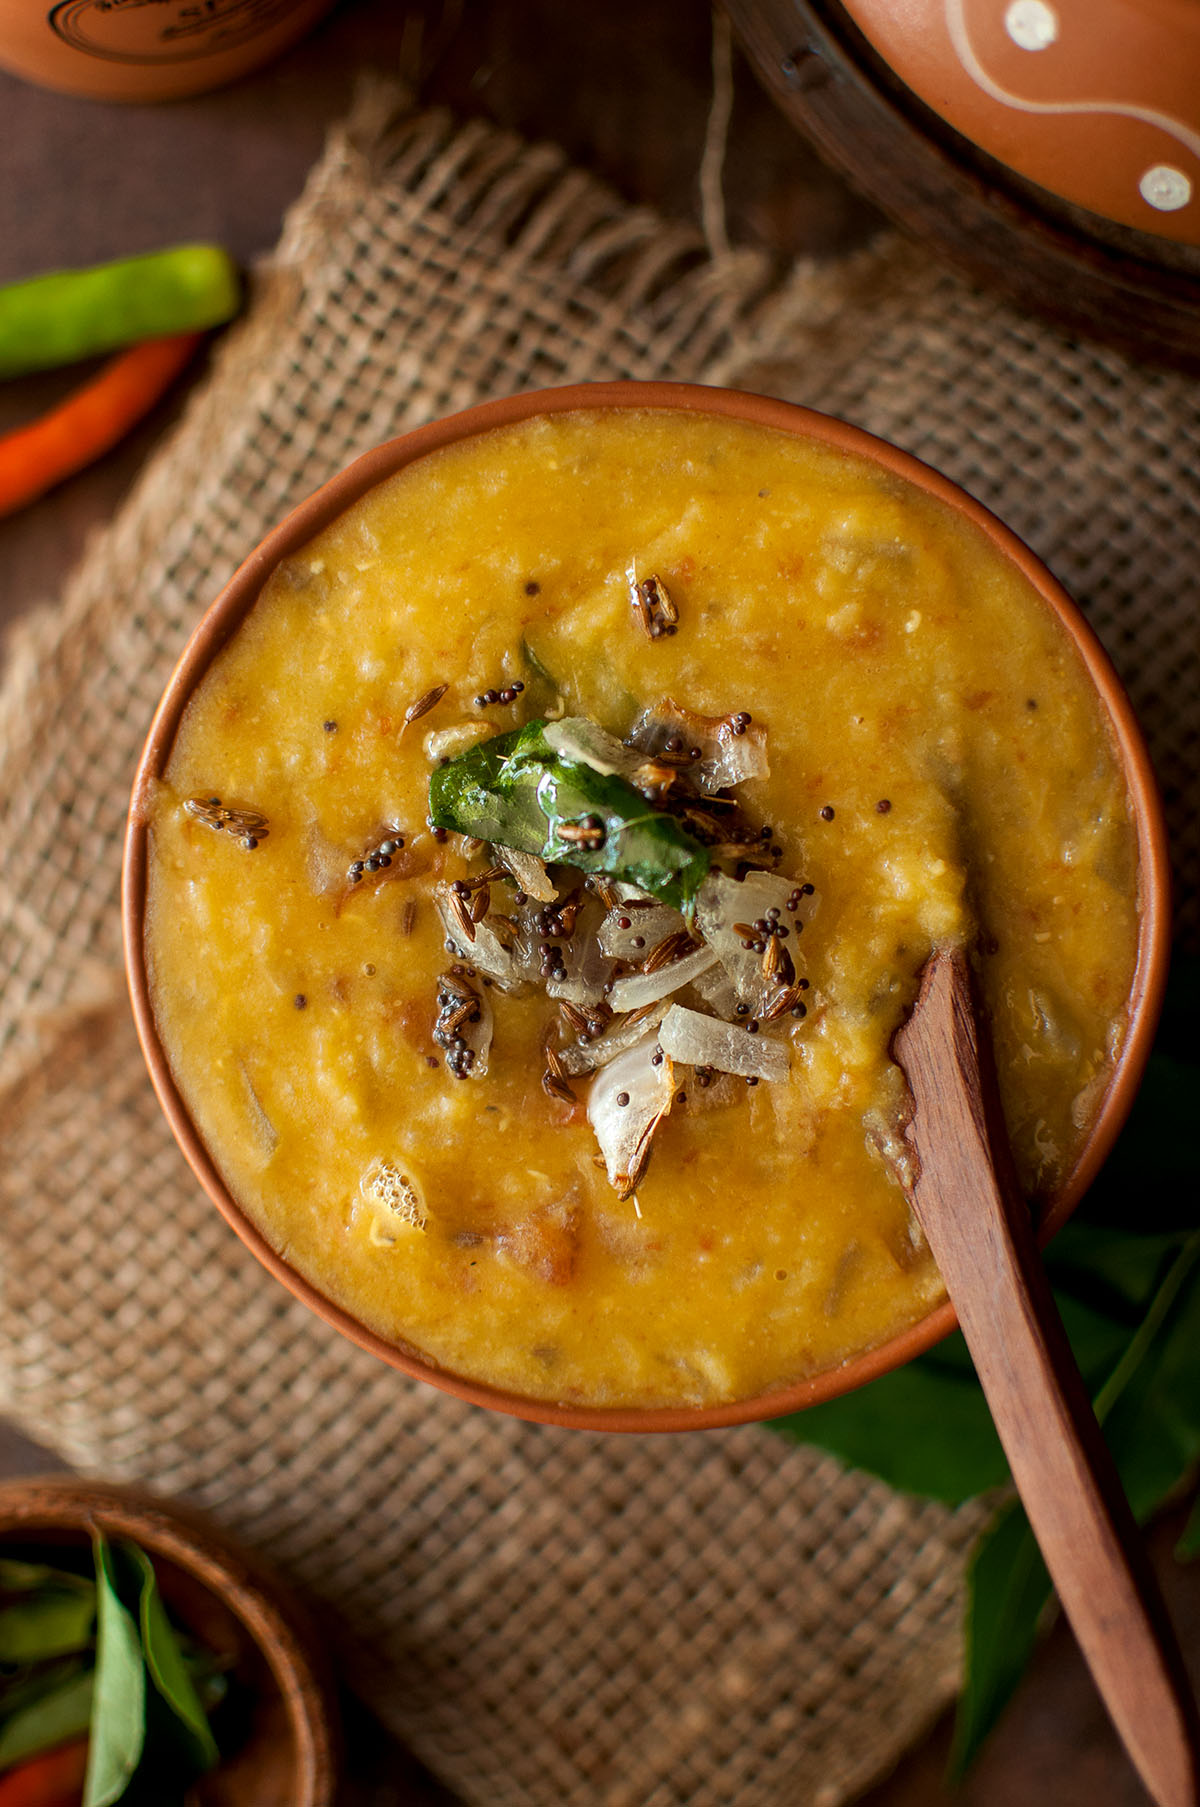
(478, 1034)
(704, 1041)
(730, 751)
(530, 873)
(577, 739)
(586, 1057)
(723, 904)
(644, 930)
(588, 969)
(625, 1130)
(325, 863)
(720, 994)
(444, 743)
(636, 989)
(482, 948)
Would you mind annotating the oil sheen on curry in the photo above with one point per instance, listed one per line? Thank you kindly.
(542, 870)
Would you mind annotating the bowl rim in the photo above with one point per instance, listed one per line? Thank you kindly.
(226, 614)
(271, 1616)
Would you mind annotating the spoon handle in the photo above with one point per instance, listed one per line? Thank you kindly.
(981, 1236)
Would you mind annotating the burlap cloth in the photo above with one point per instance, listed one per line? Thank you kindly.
(546, 1616)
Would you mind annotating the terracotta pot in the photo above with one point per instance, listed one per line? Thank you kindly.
(231, 1603)
(129, 50)
(1098, 101)
(310, 518)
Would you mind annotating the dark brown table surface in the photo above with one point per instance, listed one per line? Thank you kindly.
(625, 88)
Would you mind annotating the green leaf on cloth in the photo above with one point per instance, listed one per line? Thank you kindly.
(1008, 1591)
(924, 1428)
(1188, 1546)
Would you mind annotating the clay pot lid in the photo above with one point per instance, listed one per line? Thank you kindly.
(1097, 101)
(231, 1601)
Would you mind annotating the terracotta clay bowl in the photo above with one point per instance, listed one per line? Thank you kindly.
(231, 1603)
(310, 518)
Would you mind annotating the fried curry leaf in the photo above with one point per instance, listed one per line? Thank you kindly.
(515, 791)
(118, 1725)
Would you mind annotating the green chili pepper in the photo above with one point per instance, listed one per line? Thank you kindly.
(75, 314)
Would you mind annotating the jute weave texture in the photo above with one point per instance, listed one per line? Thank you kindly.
(547, 1617)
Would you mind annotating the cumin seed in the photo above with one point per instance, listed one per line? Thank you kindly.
(462, 916)
(423, 705)
(671, 948)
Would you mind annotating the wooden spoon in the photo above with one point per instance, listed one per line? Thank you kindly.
(980, 1232)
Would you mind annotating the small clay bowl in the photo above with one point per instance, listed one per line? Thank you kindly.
(310, 518)
(231, 1603)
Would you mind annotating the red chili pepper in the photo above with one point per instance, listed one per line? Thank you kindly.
(51, 1779)
(91, 420)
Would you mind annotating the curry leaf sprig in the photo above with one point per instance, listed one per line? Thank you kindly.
(515, 790)
(100, 1659)
(1126, 1276)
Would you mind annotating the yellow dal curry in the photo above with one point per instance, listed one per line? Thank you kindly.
(939, 770)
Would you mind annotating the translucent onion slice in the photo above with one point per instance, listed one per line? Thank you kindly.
(723, 903)
(637, 989)
(586, 1057)
(588, 969)
(325, 863)
(646, 928)
(625, 1130)
(529, 872)
(578, 739)
(444, 743)
(704, 1041)
(478, 1034)
(720, 994)
(727, 755)
(484, 950)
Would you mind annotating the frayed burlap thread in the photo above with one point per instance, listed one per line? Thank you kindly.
(547, 1617)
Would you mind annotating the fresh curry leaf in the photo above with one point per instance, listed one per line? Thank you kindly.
(1008, 1591)
(165, 1662)
(1189, 1542)
(924, 1428)
(515, 791)
(118, 1724)
(55, 1715)
(26, 1577)
(47, 1624)
(1149, 1406)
